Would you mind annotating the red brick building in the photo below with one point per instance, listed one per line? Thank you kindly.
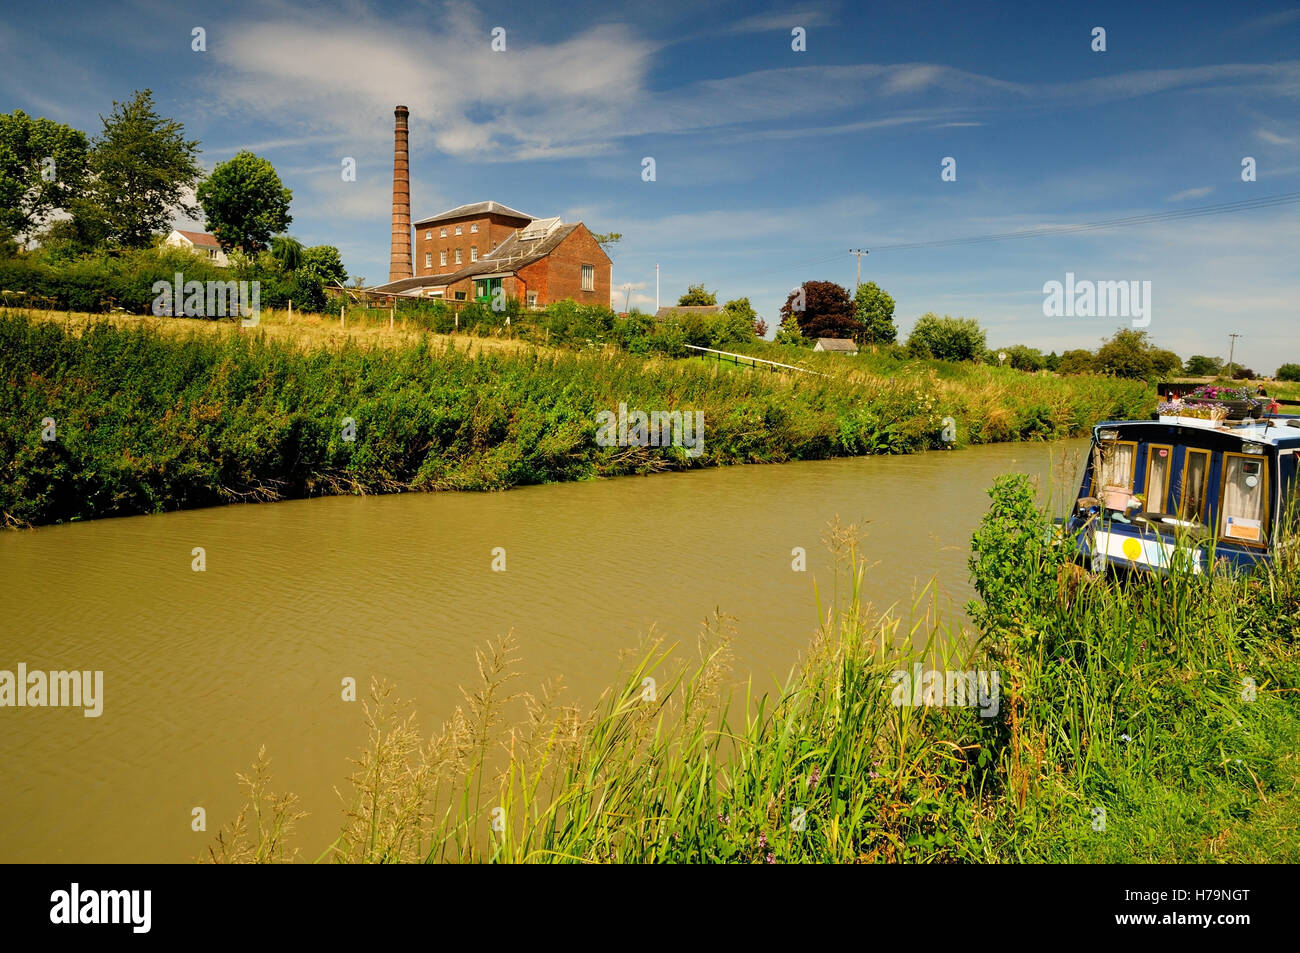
(477, 251)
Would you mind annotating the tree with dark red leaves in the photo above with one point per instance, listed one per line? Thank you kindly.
(823, 309)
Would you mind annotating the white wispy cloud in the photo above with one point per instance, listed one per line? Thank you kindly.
(1186, 194)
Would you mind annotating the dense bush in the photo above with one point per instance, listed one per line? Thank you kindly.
(1288, 372)
(946, 338)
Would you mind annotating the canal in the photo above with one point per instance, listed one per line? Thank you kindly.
(203, 668)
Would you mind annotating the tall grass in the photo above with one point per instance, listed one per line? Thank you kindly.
(148, 421)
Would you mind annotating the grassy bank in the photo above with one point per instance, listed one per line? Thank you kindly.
(152, 416)
(1146, 723)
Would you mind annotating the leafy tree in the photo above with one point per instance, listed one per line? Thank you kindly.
(244, 202)
(1165, 363)
(141, 167)
(875, 312)
(43, 168)
(1243, 374)
(1127, 353)
(697, 295)
(760, 328)
(740, 318)
(946, 338)
(828, 311)
(789, 333)
(1199, 365)
(1077, 361)
(287, 252)
(1052, 361)
(324, 263)
(1288, 372)
(1024, 358)
(607, 240)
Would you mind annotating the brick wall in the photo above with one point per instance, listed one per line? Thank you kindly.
(563, 271)
(492, 231)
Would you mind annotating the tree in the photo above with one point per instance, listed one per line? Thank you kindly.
(324, 263)
(1199, 365)
(1126, 354)
(1024, 358)
(789, 333)
(607, 240)
(741, 320)
(697, 295)
(287, 252)
(875, 312)
(1052, 361)
(43, 168)
(827, 311)
(946, 338)
(1288, 372)
(141, 167)
(1165, 363)
(760, 328)
(244, 202)
(1241, 373)
(1077, 361)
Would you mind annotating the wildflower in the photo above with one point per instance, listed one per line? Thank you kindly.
(816, 776)
(1125, 738)
(762, 841)
(771, 857)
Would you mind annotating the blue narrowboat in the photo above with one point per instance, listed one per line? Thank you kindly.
(1186, 492)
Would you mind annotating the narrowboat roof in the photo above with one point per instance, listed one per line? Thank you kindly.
(1273, 430)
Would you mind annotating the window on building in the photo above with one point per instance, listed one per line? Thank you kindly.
(473, 253)
(460, 296)
(460, 230)
(442, 233)
(458, 256)
(474, 227)
(444, 257)
(588, 277)
(428, 236)
(532, 299)
(428, 259)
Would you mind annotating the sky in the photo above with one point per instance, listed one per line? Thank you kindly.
(770, 162)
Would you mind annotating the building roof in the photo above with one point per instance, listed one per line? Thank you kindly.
(507, 258)
(474, 208)
(199, 238)
(672, 309)
(837, 344)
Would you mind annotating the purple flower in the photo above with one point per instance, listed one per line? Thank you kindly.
(771, 858)
(762, 842)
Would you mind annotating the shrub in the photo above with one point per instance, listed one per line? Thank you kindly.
(946, 338)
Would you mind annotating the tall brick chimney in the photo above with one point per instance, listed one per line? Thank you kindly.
(399, 265)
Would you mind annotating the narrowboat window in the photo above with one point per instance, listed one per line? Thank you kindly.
(1196, 478)
(1157, 486)
(1117, 459)
(1245, 492)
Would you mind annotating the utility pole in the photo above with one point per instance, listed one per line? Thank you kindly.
(859, 252)
(656, 289)
(1232, 344)
(627, 295)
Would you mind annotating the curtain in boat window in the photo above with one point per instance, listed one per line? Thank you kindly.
(1117, 465)
(1195, 469)
(1243, 504)
(1157, 479)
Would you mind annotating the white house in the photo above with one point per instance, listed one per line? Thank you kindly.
(201, 243)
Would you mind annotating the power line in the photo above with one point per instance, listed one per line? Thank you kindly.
(1269, 201)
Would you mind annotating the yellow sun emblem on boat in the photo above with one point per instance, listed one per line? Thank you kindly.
(1132, 548)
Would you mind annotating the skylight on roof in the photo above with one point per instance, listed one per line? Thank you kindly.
(539, 229)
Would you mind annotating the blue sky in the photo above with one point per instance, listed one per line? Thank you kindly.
(770, 163)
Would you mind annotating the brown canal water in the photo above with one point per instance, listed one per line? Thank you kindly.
(203, 668)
